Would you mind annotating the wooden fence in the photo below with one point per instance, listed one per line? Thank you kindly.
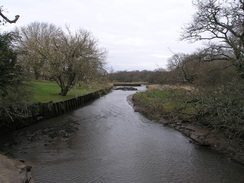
(41, 111)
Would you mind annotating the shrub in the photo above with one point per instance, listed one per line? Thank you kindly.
(223, 109)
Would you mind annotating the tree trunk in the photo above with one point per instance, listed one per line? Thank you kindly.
(64, 91)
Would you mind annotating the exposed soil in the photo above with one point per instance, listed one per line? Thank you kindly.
(62, 131)
(14, 170)
(232, 148)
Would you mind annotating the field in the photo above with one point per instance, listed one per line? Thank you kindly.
(45, 91)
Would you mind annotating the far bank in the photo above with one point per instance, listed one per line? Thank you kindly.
(160, 108)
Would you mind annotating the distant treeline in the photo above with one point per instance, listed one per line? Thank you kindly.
(194, 73)
(133, 76)
(159, 76)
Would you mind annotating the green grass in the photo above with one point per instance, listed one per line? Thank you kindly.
(166, 101)
(46, 91)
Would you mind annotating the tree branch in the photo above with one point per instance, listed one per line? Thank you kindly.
(8, 20)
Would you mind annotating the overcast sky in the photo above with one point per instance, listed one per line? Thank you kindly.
(138, 34)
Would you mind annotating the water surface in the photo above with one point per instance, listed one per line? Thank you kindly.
(114, 144)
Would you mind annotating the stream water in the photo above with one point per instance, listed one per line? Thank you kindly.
(114, 144)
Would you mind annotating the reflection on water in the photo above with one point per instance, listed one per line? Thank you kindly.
(114, 144)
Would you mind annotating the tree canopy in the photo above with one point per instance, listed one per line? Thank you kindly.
(221, 23)
(10, 71)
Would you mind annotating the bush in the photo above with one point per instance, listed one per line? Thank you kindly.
(223, 109)
(13, 93)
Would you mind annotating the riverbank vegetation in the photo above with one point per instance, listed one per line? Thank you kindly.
(14, 95)
(168, 102)
(220, 109)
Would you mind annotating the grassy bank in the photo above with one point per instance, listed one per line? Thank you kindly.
(45, 91)
(167, 102)
(218, 109)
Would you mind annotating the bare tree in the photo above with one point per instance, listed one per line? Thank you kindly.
(63, 56)
(34, 44)
(6, 19)
(222, 21)
(76, 57)
(184, 67)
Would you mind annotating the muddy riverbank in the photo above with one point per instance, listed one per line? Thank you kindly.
(15, 170)
(232, 148)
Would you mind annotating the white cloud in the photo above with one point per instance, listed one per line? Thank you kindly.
(156, 55)
(137, 33)
(131, 41)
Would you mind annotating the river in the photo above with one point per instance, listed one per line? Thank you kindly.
(114, 144)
